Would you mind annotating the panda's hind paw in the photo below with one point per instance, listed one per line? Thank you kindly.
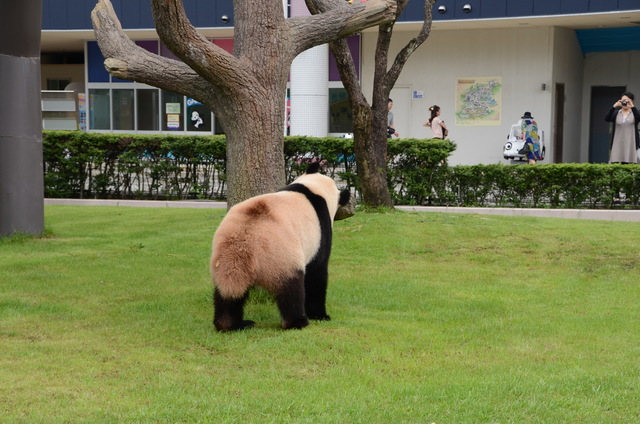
(226, 326)
(246, 324)
(296, 323)
(320, 317)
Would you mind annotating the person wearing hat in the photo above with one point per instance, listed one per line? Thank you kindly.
(531, 138)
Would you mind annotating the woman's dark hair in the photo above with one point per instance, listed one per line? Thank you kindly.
(629, 95)
(434, 111)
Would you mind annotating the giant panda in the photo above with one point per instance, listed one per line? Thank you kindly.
(279, 241)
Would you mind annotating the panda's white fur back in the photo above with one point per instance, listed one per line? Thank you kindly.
(264, 240)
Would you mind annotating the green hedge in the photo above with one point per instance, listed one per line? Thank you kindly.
(96, 165)
(79, 164)
(554, 186)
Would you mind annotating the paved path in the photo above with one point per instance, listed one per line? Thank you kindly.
(599, 214)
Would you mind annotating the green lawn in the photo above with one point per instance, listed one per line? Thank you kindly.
(436, 318)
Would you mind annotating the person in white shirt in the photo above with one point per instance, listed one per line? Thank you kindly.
(437, 125)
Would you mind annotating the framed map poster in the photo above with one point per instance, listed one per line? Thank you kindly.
(478, 101)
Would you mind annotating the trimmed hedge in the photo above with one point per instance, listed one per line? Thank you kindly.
(97, 165)
(541, 186)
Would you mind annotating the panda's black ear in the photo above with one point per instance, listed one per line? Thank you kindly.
(314, 168)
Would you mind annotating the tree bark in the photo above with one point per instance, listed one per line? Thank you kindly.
(370, 121)
(21, 169)
(244, 89)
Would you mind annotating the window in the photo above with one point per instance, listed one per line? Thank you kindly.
(123, 110)
(340, 115)
(58, 84)
(148, 109)
(99, 109)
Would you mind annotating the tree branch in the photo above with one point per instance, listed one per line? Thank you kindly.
(333, 19)
(179, 35)
(347, 70)
(412, 45)
(126, 60)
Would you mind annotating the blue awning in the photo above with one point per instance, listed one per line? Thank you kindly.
(609, 39)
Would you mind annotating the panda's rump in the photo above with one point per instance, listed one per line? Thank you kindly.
(264, 242)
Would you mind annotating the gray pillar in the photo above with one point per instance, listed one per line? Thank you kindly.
(21, 169)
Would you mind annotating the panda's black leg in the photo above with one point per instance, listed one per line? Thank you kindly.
(228, 313)
(315, 284)
(290, 301)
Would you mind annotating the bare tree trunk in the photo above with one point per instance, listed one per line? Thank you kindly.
(21, 171)
(370, 122)
(255, 142)
(369, 129)
(371, 155)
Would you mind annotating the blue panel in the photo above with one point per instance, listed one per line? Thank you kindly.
(547, 7)
(450, 10)
(191, 7)
(609, 39)
(520, 8)
(628, 4)
(459, 12)
(578, 6)
(95, 65)
(206, 14)
(77, 14)
(134, 14)
(117, 7)
(602, 5)
(130, 16)
(224, 7)
(146, 17)
(413, 12)
(58, 16)
(494, 9)
(46, 20)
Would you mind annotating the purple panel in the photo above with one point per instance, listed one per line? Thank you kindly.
(164, 51)
(354, 46)
(149, 45)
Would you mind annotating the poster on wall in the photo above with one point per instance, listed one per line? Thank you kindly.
(199, 116)
(173, 121)
(478, 101)
(172, 112)
(82, 111)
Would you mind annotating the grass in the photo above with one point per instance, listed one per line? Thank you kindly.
(436, 318)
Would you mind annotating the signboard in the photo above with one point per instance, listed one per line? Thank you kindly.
(478, 101)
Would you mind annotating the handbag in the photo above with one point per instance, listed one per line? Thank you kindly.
(525, 149)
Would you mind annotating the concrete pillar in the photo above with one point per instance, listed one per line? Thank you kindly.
(21, 172)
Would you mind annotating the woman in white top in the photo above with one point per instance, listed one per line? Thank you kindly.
(438, 127)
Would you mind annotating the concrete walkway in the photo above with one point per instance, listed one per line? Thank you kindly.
(598, 214)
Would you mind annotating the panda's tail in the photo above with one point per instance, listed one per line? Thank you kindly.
(232, 272)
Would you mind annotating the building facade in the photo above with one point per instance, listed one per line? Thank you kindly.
(485, 63)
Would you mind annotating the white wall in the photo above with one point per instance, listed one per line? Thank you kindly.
(521, 56)
(568, 65)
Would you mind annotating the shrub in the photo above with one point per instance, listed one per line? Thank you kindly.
(80, 165)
